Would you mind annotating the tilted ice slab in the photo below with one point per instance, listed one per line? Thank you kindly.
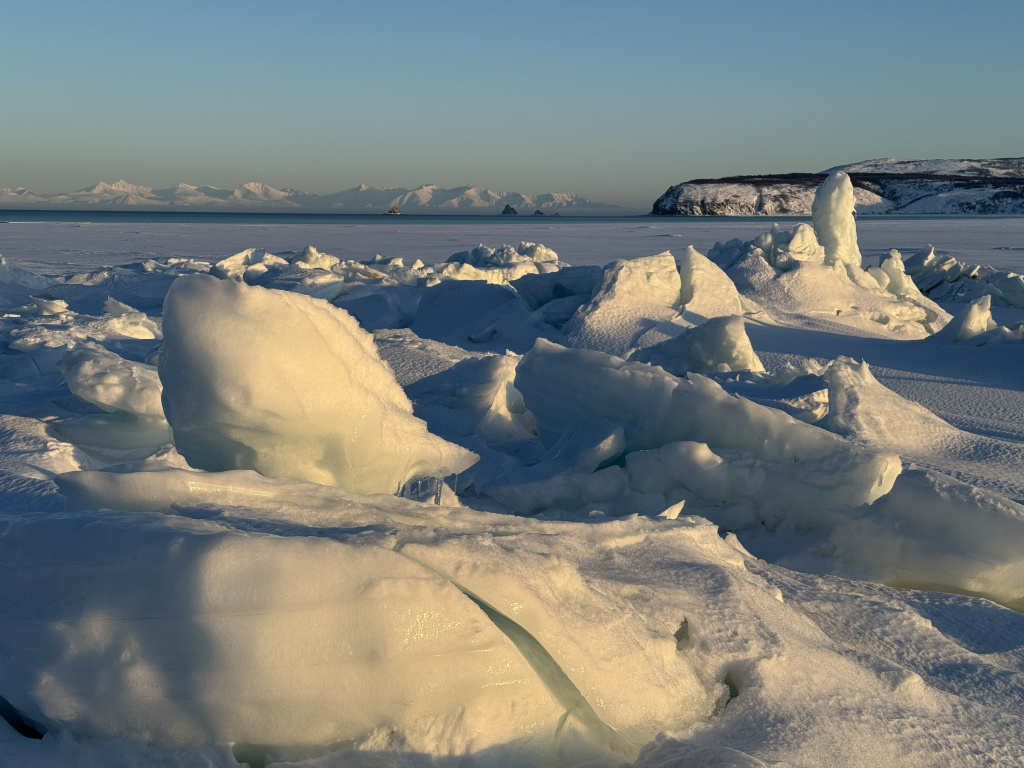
(458, 630)
(974, 324)
(705, 290)
(184, 632)
(800, 471)
(289, 386)
(282, 613)
(329, 277)
(132, 425)
(718, 344)
(634, 297)
(112, 383)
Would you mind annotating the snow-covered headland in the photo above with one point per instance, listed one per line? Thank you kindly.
(907, 187)
(753, 506)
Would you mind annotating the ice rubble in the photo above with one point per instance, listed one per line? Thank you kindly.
(36, 342)
(330, 277)
(815, 276)
(291, 387)
(675, 432)
(141, 285)
(943, 278)
(802, 288)
(500, 265)
(211, 603)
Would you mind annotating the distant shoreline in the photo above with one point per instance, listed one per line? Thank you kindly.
(164, 215)
(130, 213)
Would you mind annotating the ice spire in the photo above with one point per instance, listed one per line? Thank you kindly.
(834, 223)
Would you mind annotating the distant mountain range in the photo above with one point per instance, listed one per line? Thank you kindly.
(261, 197)
(908, 187)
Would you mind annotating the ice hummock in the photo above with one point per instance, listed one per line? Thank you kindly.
(289, 386)
(718, 344)
(635, 296)
(788, 275)
(793, 470)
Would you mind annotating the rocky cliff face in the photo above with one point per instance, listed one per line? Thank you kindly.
(880, 186)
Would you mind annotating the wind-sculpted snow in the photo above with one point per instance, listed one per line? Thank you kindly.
(284, 542)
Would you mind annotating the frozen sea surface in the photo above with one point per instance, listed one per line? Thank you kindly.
(88, 244)
(756, 508)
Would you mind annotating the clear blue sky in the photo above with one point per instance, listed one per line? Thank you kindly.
(612, 100)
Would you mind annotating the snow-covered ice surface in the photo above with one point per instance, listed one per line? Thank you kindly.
(66, 247)
(402, 500)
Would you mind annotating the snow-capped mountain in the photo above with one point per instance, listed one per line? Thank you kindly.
(886, 186)
(257, 196)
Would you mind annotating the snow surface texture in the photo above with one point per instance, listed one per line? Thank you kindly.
(192, 560)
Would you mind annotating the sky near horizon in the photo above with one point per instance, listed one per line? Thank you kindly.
(615, 101)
